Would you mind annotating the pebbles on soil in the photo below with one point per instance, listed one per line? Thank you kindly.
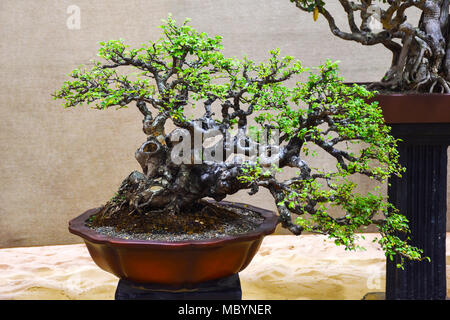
(246, 222)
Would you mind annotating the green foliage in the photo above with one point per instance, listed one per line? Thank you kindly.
(350, 119)
(118, 198)
(153, 64)
(311, 4)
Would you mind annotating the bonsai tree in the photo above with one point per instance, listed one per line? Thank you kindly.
(420, 53)
(263, 102)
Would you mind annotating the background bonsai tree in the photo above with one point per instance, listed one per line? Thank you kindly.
(420, 53)
(167, 78)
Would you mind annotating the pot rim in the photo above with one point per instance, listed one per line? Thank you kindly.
(413, 94)
(397, 93)
(414, 108)
(78, 227)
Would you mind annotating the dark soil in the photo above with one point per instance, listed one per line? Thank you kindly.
(202, 222)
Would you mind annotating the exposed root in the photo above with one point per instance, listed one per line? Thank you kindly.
(431, 84)
(445, 85)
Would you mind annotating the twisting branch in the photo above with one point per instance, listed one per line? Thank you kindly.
(421, 62)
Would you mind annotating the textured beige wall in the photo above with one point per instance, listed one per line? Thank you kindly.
(55, 163)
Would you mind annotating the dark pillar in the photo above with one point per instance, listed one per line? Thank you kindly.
(228, 288)
(421, 195)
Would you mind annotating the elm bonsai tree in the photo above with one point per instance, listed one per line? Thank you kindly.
(186, 68)
(420, 54)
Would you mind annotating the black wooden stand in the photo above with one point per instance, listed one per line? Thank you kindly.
(421, 196)
(228, 288)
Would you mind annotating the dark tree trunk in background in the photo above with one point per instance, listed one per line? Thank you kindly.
(420, 53)
(421, 196)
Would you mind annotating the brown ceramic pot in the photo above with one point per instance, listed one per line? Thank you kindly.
(414, 107)
(174, 263)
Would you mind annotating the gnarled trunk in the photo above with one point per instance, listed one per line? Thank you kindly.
(427, 66)
(165, 186)
(423, 64)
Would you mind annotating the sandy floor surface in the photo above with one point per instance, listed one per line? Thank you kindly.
(286, 267)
